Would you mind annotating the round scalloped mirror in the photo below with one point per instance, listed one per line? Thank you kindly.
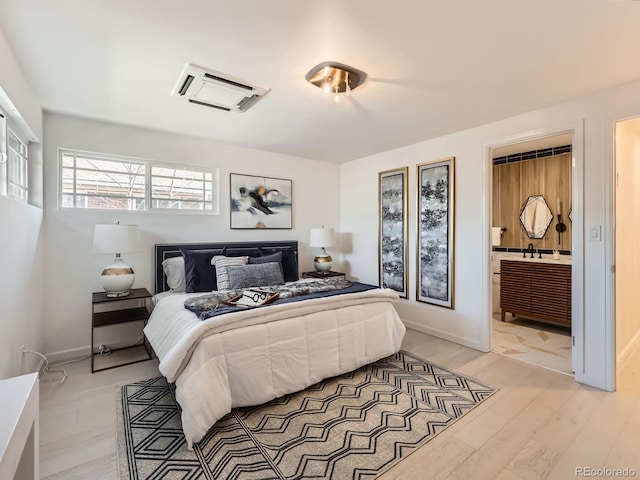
(535, 216)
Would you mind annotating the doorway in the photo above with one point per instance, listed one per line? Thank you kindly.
(531, 220)
(627, 260)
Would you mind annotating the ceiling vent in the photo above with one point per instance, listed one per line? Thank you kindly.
(217, 90)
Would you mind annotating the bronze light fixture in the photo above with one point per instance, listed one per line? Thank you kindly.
(336, 78)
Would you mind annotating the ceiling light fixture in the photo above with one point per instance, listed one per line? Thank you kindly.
(336, 78)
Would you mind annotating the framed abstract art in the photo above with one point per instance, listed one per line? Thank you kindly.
(435, 232)
(392, 230)
(260, 202)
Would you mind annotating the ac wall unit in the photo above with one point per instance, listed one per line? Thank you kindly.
(211, 88)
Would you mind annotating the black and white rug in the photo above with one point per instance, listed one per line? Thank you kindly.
(354, 426)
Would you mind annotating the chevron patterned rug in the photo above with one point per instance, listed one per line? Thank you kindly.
(354, 426)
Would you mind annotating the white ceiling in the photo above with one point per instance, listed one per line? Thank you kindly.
(433, 67)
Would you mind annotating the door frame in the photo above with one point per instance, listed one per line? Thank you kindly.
(619, 355)
(577, 239)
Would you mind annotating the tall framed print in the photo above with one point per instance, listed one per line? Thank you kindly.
(260, 202)
(435, 232)
(392, 230)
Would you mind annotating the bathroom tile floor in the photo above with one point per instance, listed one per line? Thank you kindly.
(534, 342)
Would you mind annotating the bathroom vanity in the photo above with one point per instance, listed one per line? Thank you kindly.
(536, 289)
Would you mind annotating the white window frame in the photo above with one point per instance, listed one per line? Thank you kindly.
(3, 153)
(22, 164)
(11, 159)
(177, 166)
(148, 206)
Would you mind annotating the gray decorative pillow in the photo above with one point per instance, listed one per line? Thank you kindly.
(289, 262)
(276, 257)
(255, 275)
(222, 263)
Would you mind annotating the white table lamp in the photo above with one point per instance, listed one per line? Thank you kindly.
(322, 237)
(118, 277)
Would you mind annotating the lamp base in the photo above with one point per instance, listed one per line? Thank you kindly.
(117, 279)
(117, 294)
(323, 263)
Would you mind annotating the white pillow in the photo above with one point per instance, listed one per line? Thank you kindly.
(174, 271)
(221, 263)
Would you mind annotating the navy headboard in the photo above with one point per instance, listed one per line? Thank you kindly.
(168, 250)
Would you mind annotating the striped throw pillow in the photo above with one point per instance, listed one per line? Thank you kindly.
(221, 263)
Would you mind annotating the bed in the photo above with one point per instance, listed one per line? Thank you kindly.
(248, 356)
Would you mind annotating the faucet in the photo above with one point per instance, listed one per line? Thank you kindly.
(530, 249)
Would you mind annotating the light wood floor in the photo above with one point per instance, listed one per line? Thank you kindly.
(540, 425)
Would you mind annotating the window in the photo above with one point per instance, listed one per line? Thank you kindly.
(14, 167)
(109, 182)
(91, 181)
(17, 167)
(177, 187)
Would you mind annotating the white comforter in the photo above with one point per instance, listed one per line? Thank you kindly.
(253, 356)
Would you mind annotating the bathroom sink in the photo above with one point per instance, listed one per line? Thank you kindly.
(546, 258)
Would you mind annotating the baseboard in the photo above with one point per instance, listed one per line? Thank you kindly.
(73, 353)
(626, 351)
(443, 335)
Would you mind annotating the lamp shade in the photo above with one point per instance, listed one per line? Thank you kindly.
(116, 238)
(322, 237)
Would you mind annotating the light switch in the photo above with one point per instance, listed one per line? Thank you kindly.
(595, 233)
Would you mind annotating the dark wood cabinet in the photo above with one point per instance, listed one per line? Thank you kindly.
(536, 290)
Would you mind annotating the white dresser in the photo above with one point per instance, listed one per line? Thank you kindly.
(19, 439)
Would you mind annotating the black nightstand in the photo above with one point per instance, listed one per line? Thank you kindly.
(112, 312)
(316, 274)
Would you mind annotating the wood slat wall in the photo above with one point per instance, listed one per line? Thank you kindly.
(514, 182)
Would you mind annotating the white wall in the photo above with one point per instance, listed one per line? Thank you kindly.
(20, 226)
(359, 211)
(72, 270)
(627, 234)
(469, 322)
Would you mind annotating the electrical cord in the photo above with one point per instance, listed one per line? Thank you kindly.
(46, 370)
(103, 350)
(67, 362)
(51, 367)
